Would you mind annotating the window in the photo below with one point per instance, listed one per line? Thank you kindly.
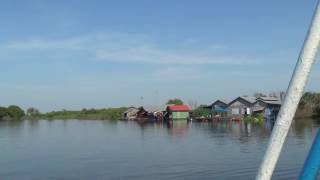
(235, 110)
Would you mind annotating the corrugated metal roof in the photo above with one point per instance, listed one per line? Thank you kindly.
(255, 109)
(269, 98)
(223, 101)
(278, 102)
(182, 108)
(250, 99)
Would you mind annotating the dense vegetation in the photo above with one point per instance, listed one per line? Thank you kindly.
(258, 118)
(309, 105)
(32, 112)
(11, 113)
(201, 112)
(90, 114)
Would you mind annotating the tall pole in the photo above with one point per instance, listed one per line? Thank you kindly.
(294, 92)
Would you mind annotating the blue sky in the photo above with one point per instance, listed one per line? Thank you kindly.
(74, 54)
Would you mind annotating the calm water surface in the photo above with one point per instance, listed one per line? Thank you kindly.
(80, 149)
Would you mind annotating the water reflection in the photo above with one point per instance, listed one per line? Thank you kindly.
(237, 130)
(125, 150)
(178, 128)
(301, 128)
(14, 128)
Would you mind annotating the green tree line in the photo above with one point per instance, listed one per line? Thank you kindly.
(12, 112)
(201, 112)
(309, 105)
(89, 114)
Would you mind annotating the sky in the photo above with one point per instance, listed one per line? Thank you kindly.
(109, 53)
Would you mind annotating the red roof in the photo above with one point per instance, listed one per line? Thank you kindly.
(182, 108)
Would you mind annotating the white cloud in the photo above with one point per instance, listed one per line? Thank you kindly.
(154, 55)
(40, 44)
(126, 48)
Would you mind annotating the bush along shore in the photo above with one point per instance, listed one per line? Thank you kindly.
(259, 119)
(88, 114)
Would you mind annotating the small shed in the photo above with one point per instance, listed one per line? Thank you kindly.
(178, 112)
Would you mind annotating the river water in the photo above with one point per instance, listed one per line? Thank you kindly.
(87, 149)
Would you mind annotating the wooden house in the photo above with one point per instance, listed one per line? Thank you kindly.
(269, 107)
(240, 107)
(219, 108)
(176, 112)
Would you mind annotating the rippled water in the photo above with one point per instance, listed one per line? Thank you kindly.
(80, 149)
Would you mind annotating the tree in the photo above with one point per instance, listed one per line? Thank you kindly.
(316, 111)
(309, 105)
(15, 112)
(32, 111)
(3, 113)
(175, 101)
(201, 112)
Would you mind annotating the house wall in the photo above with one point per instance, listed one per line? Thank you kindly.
(180, 115)
(258, 105)
(220, 104)
(272, 111)
(216, 113)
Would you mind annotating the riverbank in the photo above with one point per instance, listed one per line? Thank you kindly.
(309, 107)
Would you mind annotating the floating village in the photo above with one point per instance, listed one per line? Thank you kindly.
(240, 108)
